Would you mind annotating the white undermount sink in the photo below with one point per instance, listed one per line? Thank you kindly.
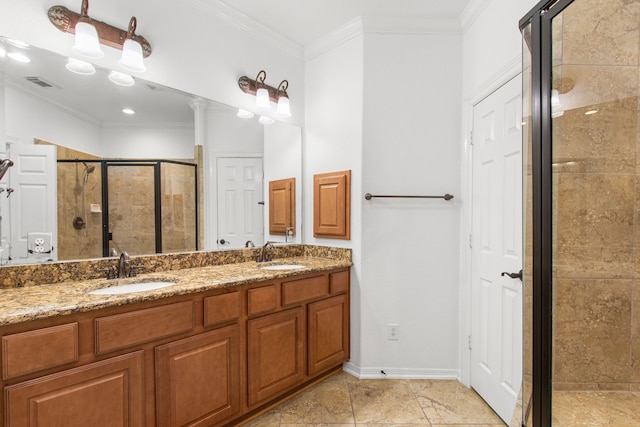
(282, 267)
(131, 288)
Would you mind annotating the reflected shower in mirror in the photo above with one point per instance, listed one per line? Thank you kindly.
(88, 118)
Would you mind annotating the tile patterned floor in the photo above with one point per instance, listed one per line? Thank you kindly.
(345, 401)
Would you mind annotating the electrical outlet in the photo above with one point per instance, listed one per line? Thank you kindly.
(393, 332)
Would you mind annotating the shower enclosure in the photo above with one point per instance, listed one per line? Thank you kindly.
(581, 72)
(138, 206)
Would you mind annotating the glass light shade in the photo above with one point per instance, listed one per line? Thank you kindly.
(87, 42)
(266, 120)
(131, 58)
(80, 67)
(262, 99)
(283, 109)
(121, 79)
(244, 114)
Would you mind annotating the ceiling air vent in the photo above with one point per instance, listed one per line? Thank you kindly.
(38, 81)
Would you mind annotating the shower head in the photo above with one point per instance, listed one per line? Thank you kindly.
(88, 169)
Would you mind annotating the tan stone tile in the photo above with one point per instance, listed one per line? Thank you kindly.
(450, 402)
(268, 419)
(634, 376)
(596, 409)
(592, 326)
(601, 32)
(592, 262)
(326, 402)
(596, 210)
(385, 402)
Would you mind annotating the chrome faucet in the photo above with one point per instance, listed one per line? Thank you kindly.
(122, 264)
(266, 254)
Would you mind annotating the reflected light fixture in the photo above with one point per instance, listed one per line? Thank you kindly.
(121, 79)
(266, 120)
(266, 95)
(128, 111)
(79, 66)
(244, 114)
(590, 112)
(91, 33)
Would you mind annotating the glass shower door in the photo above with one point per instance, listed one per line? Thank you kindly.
(584, 171)
(131, 201)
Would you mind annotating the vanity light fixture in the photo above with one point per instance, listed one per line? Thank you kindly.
(265, 94)
(91, 33)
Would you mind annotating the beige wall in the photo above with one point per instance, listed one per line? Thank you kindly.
(596, 176)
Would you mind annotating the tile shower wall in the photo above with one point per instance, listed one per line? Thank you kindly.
(596, 185)
(87, 242)
(178, 208)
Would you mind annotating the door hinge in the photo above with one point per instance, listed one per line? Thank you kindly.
(470, 242)
(469, 342)
(471, 138)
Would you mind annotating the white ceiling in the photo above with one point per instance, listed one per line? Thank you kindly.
(304, 21)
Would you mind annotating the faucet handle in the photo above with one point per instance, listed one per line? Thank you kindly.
(111, 272)
(133, 268)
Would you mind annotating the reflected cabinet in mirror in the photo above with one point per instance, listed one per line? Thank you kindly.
(100, 168)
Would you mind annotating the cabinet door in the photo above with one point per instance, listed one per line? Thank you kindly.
(108, 393)
(328, 336)
(276, 354)
(198, 379)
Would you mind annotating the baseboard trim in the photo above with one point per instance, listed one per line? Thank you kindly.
(400, 373)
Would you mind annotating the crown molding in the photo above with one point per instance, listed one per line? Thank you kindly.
(471, 12)
(239, 20)
(334, 39)
(370, 24)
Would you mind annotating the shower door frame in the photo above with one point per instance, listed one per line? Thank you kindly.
(540, 19)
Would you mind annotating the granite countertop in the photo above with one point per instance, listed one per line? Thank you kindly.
(48, 300)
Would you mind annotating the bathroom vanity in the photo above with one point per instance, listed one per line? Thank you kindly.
(220, 345)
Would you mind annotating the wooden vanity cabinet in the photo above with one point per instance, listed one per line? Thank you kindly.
(276, 354)
(208, 359)
(106, 393)
(198, 379)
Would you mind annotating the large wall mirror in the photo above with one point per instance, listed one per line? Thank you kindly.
(90, 179)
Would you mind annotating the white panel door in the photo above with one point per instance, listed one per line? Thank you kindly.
(33, 203)
(240, 195)
(496, 331)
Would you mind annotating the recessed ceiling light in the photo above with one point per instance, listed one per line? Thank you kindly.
(79, 66)
(590, 112)
(19, 57)
(128, 111)
(121, 79)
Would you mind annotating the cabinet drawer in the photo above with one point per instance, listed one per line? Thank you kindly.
(40, 349)
(221, 308)
(262, 300)
(138, 327)
(339, 282)
(297, 291)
